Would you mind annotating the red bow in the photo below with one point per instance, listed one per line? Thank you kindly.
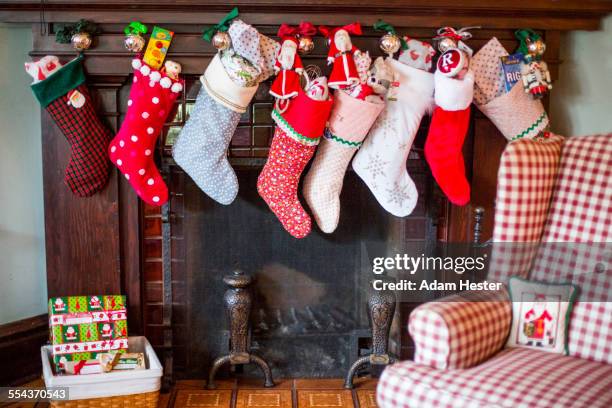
(285, 30)
(306, 29)
(354, 28)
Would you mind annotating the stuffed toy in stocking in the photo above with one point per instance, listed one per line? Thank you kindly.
(228, 85)
(288, 66)
(349, 123)
(296, 137)
(381, 161)
(341, 52)
(516, 114)
(454, 89)
(62, 91)
(150, 102)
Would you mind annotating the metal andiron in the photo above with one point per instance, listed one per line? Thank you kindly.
(238, 301)
(381, 307)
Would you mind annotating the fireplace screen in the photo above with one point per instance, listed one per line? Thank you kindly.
(309, 315)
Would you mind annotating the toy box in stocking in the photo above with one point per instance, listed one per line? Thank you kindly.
(151, 101)
(296, 137)
(66, 98)
(81, 327)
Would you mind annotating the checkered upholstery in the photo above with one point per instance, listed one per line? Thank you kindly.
(460, 331)
(525, 183)
(581, 214)
(514, 378)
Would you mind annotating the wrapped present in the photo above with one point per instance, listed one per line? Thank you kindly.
(81, 327)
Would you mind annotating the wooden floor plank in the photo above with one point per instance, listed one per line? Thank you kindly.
(203, 398)
(264, 398)
(325, 398)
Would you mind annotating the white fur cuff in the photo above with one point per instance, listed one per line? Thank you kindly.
(222, 89)
(454, 94)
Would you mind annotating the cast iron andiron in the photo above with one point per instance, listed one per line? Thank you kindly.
(381, 307)
(238, 301)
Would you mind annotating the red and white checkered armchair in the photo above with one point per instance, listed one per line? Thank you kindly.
(554, 191)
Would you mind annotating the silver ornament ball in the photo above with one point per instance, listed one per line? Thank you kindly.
(390, 43)
(81, 41)
(221, 40)
(536, 47)
(445, 44)
(134, 42)
(305, 45)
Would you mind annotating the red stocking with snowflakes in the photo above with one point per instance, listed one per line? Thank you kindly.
(296, 137)
(151, 100)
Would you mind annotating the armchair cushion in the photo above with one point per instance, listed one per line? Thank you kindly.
(461, 330)
(514, 378)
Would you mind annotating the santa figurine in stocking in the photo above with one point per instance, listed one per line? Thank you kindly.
(298, 132)
(288, 66)
(454, 91)
(341, 54)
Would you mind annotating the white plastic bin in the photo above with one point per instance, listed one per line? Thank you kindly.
(112, 384)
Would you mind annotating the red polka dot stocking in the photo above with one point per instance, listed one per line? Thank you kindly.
(151, 99)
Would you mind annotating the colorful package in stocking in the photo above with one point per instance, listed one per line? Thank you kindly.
(201, 147)
(381, 161)
(62, 91)
(151, 100)
(516, 114)
(349, 124)
(447, 131)
(296, 137)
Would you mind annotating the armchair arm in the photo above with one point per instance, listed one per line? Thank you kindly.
(461, 330)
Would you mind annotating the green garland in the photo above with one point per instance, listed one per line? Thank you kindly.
(64, 33)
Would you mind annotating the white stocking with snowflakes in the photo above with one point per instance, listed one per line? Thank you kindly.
(381, 161)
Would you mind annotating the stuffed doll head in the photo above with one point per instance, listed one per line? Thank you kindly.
(381, 76)
(419, 54)
(342, 40)
(173, 69)
(363, 62)
(41, 69)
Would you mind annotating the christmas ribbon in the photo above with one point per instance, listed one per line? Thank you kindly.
(223, 25)
(523, 35)
(135, 28)
(354, 28)
(64, 33)
(384, 26)
(450, 32)
(306, 29)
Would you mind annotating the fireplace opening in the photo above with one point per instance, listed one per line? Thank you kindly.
(309, 314)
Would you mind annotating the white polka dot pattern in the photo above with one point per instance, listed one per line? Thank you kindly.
(201, 148)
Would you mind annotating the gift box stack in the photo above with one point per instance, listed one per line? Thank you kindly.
(84, 327)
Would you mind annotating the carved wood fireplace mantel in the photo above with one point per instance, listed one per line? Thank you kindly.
(112, 243)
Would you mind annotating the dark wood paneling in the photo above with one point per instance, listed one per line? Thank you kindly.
(545, 14)
(20, 344)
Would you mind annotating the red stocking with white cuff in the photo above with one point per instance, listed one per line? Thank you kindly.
(447, 131)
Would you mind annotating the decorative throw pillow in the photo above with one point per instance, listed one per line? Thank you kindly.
(540, 314)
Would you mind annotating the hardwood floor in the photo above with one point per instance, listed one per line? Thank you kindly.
(300, 393)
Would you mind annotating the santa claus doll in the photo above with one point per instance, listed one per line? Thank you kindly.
(341, 53)
(288, 66)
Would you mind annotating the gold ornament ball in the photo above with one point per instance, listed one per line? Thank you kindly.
(305, 45)
(445, 44)
(81, 41)
(134, 42)
(221, 40)
(390, 43)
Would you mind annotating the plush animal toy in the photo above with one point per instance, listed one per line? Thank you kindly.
(172, 69)
(381, 77)
(41, 69)
(418, 54)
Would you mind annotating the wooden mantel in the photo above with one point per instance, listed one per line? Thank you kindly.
(540, 14)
